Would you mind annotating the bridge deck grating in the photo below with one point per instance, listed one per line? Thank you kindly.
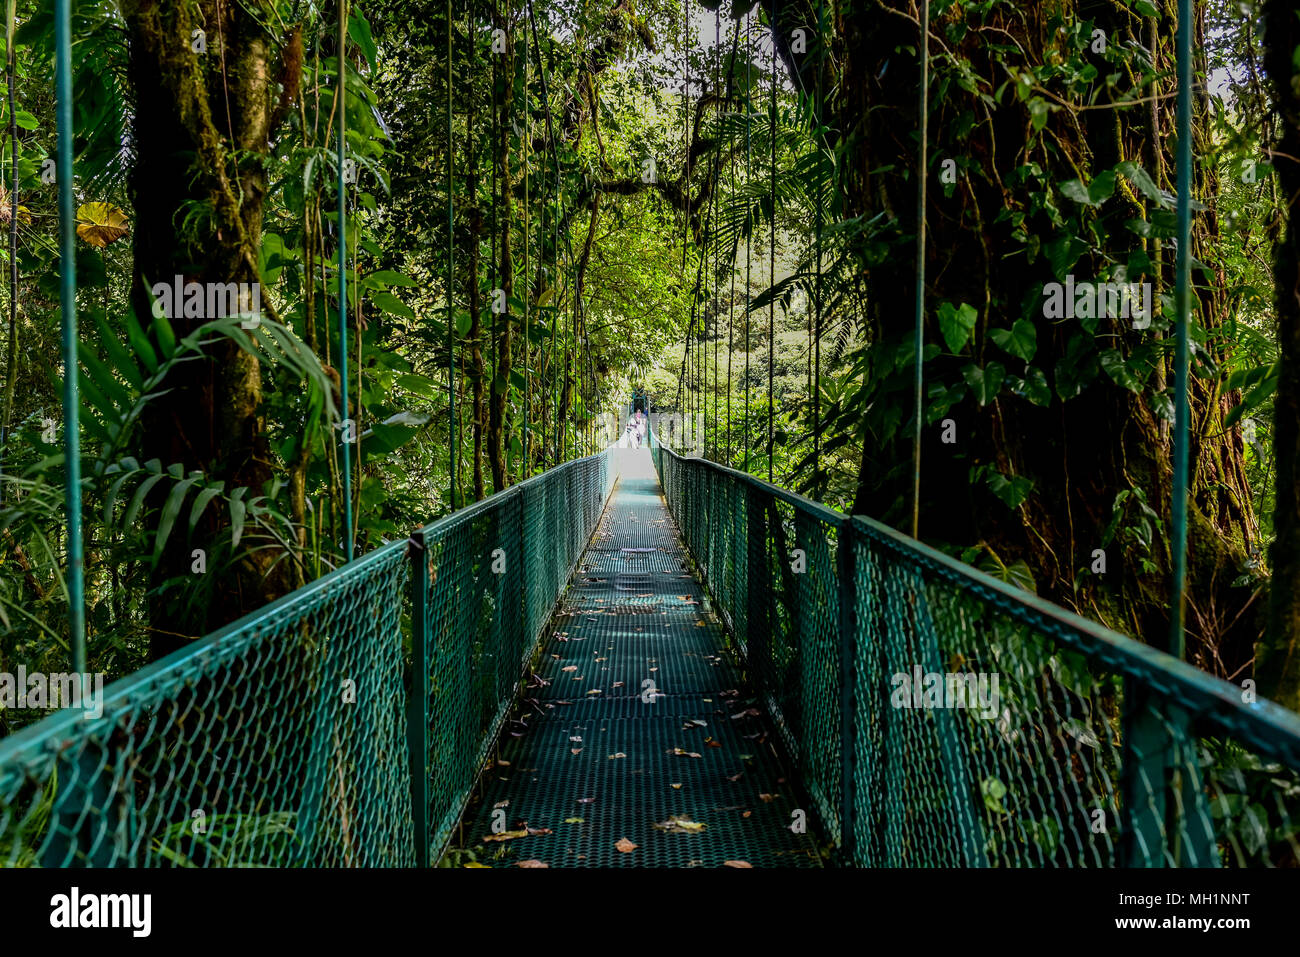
(594, 761)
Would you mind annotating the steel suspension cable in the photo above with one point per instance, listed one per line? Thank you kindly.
(350, 427)
(817, 294)
(771, 277)
(68, 328)
(919, 328)
(714, 198)
(454, 421)
(749, 220)
(526, 467)
(1182, 299)
(559, 202)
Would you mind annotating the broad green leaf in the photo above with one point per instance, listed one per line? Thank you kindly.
(359, 31)
(984, 383)
(1113, 364)
(1037, 390)
(956, 323)
(421, 385)
(1021, 340)
(388, 277)
(1039, 110)
(389, 303)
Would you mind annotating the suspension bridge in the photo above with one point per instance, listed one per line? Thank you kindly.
(641, 659)
(644, 658)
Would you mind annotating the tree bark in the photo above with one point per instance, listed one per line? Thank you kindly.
(1278, 664)
(1081, 451)
(201, 128)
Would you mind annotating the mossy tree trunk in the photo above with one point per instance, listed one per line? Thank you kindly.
(997, 234)
(201, 128)
(1279, 655)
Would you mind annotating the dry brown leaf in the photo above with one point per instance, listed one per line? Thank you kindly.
(626, 846)
(101, 223)
(533, 863)
(737, 864)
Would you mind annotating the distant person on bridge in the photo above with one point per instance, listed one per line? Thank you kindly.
(640, 428)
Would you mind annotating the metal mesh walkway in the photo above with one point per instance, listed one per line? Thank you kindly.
(638, 729)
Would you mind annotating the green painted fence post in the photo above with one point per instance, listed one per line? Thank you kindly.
(417, 702)
(961, 786)
(846, 567)
(1165, 814)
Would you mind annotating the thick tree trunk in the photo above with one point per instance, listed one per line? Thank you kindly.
(200, 137)
(1278, 664)
(1079, 452)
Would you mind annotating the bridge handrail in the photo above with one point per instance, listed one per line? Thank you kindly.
(286, 737)
(1165, 705)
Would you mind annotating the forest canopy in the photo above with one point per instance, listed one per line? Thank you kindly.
(545, 210)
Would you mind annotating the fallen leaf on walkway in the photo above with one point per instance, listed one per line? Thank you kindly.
(678, 824)
(539, 830)
(533, 864)
(768, 798)
(503, 764)
(626, 846)
(575, 750)
(569, 668)
(694, 723)
(594, 691)
(747, 814)
(736, 777)
(682, 753)
(586, 800)
(619, 755)
(747, 713)
(576, 737)
(618, 684)
(711, 743)
(573, 820)
(506, 835)
(737, 864)
(675, 786)
(500, 804)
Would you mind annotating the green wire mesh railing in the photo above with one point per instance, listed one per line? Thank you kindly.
(940, 717)
(494, 573)
(289, 737)
(279, 740)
